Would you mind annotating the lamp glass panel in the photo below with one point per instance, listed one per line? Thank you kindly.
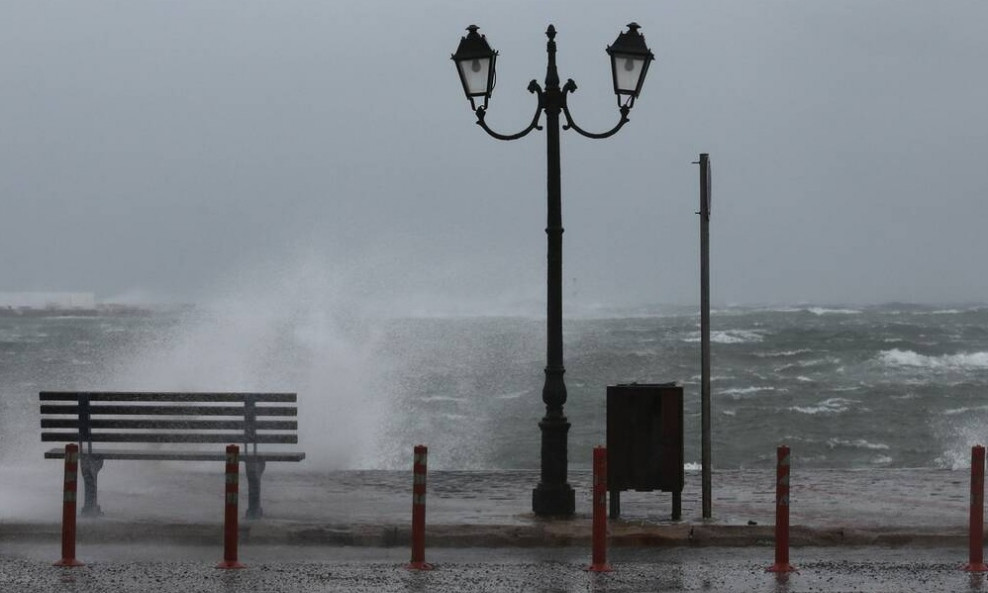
(475, 74)
(627, 72)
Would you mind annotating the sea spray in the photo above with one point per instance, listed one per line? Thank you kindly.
(371, 385)
(288, 329)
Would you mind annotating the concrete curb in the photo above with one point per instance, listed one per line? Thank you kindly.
(575, 533)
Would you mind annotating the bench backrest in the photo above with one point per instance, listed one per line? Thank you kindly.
(142, 417)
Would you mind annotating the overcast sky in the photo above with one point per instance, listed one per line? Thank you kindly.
(172, 150)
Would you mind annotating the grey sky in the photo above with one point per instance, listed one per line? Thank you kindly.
(177, 149)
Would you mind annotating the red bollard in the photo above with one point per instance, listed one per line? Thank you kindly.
(599, 558)
(782, 513)
(976, 558)
(230, 521)
(68, 506)
(418, 510)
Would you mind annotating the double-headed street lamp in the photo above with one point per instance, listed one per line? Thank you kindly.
(474, 61)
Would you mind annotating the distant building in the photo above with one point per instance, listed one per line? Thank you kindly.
(48, 300)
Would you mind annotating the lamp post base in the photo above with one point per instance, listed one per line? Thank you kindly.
(554, 500)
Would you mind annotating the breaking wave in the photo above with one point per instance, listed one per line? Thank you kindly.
(739, 392)
(908, 358)
(731, 336)
(965, 410)
(856, 444)
(784, 353)
(834, 405)
(825, 311)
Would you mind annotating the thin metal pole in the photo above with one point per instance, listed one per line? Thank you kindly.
(976, 531)
(69, 489)
(598, 561)
(419, 472)
(231, 525)
(782, 483)
(705, 463)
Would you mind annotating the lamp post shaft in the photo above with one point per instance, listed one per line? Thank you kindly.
(554, 496)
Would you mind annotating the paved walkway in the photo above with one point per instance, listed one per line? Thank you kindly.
(168, 501)
(26, 568)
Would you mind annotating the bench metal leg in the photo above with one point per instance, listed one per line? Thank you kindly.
(90, 470)
(677, 505)
(255, 468)
(615, 504)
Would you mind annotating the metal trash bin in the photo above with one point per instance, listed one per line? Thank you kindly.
(645, 442)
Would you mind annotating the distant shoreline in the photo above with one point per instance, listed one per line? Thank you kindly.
(111, 310)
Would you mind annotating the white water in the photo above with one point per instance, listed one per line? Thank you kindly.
(908, 358)
(282, 329)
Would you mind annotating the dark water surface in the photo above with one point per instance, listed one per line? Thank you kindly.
(891, 386)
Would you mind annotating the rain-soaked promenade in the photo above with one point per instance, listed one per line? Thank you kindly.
(870, 530)
(373, 508)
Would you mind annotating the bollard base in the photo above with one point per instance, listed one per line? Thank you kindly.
(975, 567)
(68, 563)
(230, 564)
(781, 567)
(600, 568)
(419, 566)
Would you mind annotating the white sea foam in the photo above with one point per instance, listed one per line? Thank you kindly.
(802, 364)
(512, 395)
(782, 354)
(833, 405)
(646, 353)
(966, 410)
(696, 378)
(908, 358)
(739, 392)
(816, 310)
(856, 444)
(904, 396)
(730, 336)
(825, 311)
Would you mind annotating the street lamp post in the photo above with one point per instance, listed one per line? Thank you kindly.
(475, 61)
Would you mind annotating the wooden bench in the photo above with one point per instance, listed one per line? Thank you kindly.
(88, 417)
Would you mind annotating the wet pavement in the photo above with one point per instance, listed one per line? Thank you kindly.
(167, 501)
(292, 569)
(329, 531)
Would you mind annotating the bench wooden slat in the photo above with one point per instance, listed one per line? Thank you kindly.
(239, 425)
(127, 396)
(159, 437)
(179, 455)
(98, 410)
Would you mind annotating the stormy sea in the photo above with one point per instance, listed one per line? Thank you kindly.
(890, 386)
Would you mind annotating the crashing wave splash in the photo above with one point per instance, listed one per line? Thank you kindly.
(908, 358)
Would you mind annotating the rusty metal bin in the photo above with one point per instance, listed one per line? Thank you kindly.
(645, 442)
